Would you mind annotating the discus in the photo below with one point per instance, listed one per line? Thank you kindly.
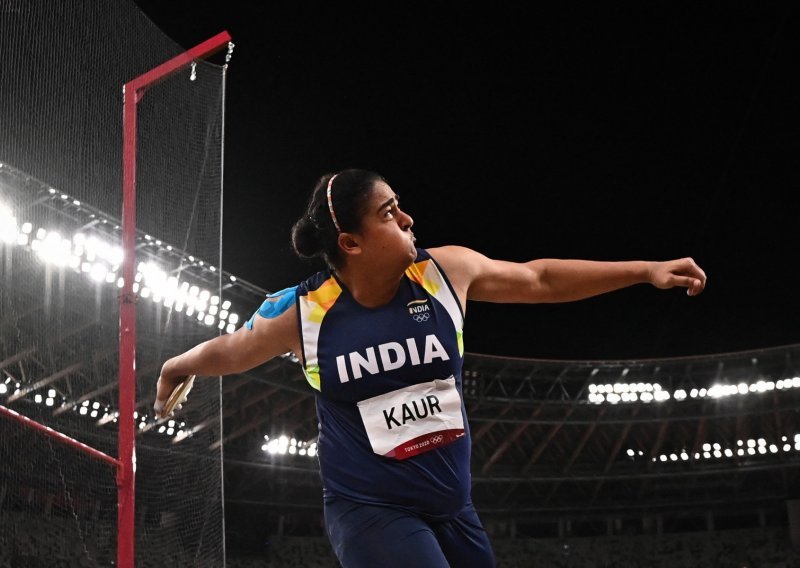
(178, 396)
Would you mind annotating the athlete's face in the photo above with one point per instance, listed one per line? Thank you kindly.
(386, 229)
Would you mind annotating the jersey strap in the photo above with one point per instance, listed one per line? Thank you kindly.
(427, 274)
(313, 307)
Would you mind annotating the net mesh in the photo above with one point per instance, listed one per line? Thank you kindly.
(60, 266)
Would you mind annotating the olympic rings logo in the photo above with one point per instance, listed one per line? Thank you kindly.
(437, 439)
(419, 318)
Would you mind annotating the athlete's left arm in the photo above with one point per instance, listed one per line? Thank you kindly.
(549, 280)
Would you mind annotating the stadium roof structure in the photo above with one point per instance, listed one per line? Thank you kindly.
(553, 440)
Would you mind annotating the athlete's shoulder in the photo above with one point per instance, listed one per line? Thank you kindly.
(456, 257)
(275, 304)
(278, 303)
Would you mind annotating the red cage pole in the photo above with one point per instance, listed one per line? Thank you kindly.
(58, 436)
(133, 91)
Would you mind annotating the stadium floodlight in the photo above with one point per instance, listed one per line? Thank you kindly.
(661, 395)
(8, 225)
(98, 272)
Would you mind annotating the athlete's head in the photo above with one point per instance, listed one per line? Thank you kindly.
(337, 205)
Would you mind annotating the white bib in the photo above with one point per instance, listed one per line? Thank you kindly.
(413, 420)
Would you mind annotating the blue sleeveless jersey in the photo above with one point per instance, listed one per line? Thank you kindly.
(353, 353)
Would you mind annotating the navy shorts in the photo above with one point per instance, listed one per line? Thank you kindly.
(366, 536)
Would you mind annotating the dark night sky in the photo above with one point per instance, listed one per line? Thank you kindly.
(601, 132)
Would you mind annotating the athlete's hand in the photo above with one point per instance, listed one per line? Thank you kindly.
(164, 387)
(681, 272)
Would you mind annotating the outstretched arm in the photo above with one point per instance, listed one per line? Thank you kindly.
(548, 280)
(232, 353)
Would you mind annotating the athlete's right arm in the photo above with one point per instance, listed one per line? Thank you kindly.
(233, 352)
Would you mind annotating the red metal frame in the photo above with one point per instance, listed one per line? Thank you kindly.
(24, 420)
(133, 92)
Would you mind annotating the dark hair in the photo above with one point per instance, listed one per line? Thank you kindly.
(315, 234)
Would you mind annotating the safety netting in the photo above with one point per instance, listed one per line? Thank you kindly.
(61, 257)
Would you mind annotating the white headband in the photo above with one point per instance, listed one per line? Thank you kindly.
(330, 204)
